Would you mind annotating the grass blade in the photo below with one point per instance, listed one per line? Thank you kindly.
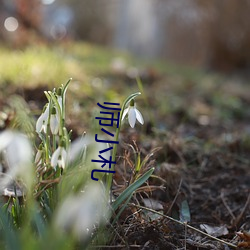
(128, 191)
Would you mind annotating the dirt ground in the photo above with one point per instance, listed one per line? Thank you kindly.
(200, 136)
(202, 171)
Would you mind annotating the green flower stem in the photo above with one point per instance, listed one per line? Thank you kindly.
(47, 137)
(110, 177)
(66, 137)
(54, 142)
(65, 87)
(46, 147)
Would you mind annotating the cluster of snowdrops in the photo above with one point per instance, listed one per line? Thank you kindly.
(59, 199)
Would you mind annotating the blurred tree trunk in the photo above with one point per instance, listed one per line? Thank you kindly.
(212, 33)
(229, 34)
(92, 20)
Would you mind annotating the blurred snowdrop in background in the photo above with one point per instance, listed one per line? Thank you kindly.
(17, 153)
(80, 214)
(87, 148)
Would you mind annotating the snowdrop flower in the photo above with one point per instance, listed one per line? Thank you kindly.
(42, 122)
(59, 157)
(79, 214)
(133, 114)
(54, 121)
(17, 152)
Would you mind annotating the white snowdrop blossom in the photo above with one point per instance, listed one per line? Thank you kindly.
(54, 121)
(42, 122)
(133, 114)
(79, 214)
(17, 152)
(59, 157)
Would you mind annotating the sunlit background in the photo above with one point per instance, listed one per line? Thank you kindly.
(212, 34)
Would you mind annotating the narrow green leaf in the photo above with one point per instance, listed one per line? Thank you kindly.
(185, 212)
(39, 222)
(138, 163)
(47, 95)
(128, 191)
(10, 236)
(140, 86)
(122, 209)
(53, 97)
(65, 87)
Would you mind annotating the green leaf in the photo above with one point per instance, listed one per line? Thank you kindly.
(185, 212)
(10, 236)
(65, 87)
(39, 222)
(138, 163)
(122, 209)
(128, 191)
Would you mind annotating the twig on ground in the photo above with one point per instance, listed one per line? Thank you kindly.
(173, 202)
(116, 246)
(184, 224)
(227, 207)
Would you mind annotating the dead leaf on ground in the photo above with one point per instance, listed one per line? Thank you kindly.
(215, 231)
(245, 236)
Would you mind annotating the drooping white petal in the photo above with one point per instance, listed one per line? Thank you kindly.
(132, 117)
(42, 121)
(44, 127)
(19, 151)
(62, 161)
(124, 113)
(54, 124)
(5, 139)
(39, 123)
(59, 157)
(139, 116)
(64, 154)
(133, 114)
(55, 156)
